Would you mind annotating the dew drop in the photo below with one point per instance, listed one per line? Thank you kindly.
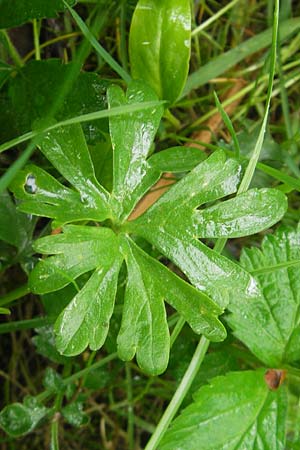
(30, 184)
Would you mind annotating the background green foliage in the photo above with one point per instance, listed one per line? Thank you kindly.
(115, 288)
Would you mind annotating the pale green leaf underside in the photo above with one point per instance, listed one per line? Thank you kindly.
(233, 412)
(270, 325)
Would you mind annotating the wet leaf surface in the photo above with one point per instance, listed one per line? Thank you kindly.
(270, 325)
(236, 411)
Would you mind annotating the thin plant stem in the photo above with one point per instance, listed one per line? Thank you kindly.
(12, 50)
(130, 415)
(18, 325)
(180, 393)
(14, 295)
(95, 44)
(258, 146)
(36, 39)
(215, 17)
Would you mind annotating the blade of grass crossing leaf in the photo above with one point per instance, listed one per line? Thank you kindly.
(228, 123)
(117, 111)
(257, 149)
(95, 44)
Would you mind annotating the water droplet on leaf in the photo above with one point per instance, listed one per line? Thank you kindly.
(30, 184)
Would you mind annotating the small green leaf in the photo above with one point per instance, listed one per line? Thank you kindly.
(270, 324)
(18, 419)
(78, 250)
(4, 311)
(130, 165)
(245, 214)
(159, 45)
(236, 411)
(74, 414)
(14, 12)
(53, 381)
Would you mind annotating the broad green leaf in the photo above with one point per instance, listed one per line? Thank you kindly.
(15, 12)
(85, 321)
(159, 45)
(270, 324)
(94, 253)
(130, 165)
(144, 328)
(15, 227)
(29, 94)
(43, 195)
(18, 419)
(240, 216)
(77, 250)
(236, 411)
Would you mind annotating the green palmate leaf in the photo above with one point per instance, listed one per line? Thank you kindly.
(131, 179)
(14, 12)
(144, 327)
(159, 45)
(172, 224)
(237, 411)
(270, 325)
(18, 419)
